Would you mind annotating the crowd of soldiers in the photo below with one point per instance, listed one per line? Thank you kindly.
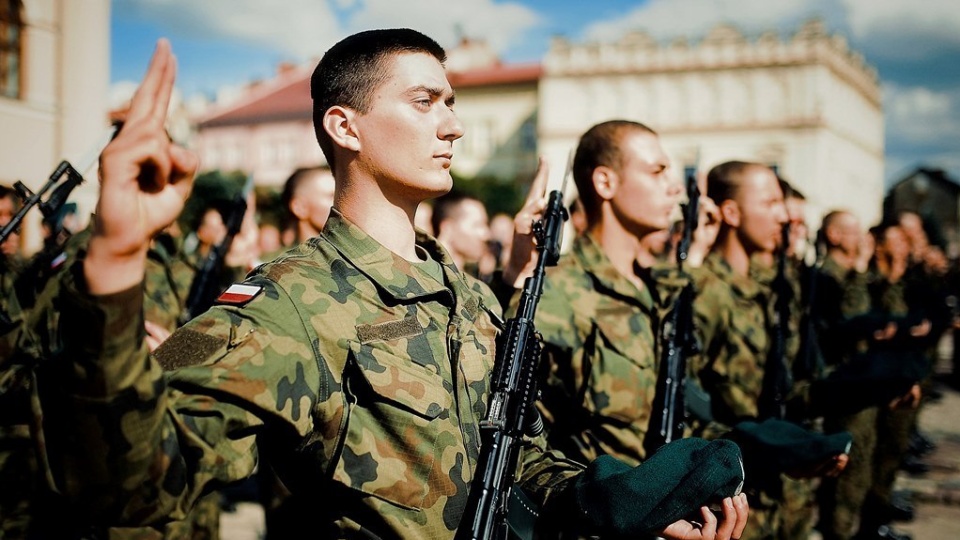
(345, 365)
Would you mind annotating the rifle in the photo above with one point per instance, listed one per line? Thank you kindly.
(776, 378)
(511, 414)
(51, 207)
(206, 285)
(680, 341)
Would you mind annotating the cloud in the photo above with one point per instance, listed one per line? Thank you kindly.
(501, 24)
(904, 30)
(666, 19)
(305, 28)
(919, 115)
(301, 28)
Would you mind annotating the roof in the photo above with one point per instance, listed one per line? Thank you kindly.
(932, 174)
(285, 98)
(496, 75)
(288, 96)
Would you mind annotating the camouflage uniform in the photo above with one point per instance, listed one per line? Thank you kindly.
(733, 319)
(34, 511)
(601, 354)
(841, 314)
(365, 374)
(893, 426)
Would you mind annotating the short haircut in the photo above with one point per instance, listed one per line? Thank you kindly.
(828, 221)
(352, 70)
(725, 179)
(789, 191)
(446, 207)
(8, 192)
(295, 181)
(600, 147)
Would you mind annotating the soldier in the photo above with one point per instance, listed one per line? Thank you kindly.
(357, 364)
(601, 313)
(735, 322)
(462, 227)
(307, 198)
(848, 328)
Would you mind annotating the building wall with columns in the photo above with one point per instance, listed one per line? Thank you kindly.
(806, 104)
(61, 111)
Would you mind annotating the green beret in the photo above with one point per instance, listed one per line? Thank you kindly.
(776, 446)
(870, 379)
(679, 478)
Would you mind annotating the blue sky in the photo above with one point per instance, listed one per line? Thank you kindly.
(914, 44)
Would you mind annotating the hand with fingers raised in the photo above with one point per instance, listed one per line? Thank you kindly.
(145, 179)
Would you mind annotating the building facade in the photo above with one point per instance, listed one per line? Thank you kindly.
(807, 105)
(54, 86)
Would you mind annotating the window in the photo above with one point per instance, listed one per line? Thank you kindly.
(11, 38)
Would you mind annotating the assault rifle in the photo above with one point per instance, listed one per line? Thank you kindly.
(511, 414)
(680, 341)
(52, 205)
(206, 284)
(777, 378)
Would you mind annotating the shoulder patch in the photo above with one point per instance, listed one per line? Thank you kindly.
(239, 294)
(186, 348)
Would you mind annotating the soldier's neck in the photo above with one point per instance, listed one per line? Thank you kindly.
(620, 247)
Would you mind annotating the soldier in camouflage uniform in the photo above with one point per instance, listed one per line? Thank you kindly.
(888, 293)
(734, 315)
(601, 313)
(358, 363)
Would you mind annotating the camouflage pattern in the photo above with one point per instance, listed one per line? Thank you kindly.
(358, 375)
(34, 510)
(734, 316)
(601, 354)
(893, 426)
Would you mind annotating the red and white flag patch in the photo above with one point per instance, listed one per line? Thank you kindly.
(238, 294)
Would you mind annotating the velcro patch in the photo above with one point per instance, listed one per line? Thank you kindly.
(239, 294)
(186, 348)
(388, 331)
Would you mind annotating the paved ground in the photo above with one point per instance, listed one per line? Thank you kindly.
(936, 494)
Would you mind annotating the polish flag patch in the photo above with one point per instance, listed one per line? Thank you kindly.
(238, 295)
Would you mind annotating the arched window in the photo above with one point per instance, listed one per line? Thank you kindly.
(11, 40)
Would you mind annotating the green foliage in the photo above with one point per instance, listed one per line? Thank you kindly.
(497, 195)
(209, 189)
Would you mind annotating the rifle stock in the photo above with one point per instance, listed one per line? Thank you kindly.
(776, 379)
(511, 414)
(679, 340)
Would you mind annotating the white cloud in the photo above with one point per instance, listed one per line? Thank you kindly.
(919, 115)
(501, 24)
(306, 28)
(902, 30)
(665, 19)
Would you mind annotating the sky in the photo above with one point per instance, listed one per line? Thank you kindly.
(913, 44)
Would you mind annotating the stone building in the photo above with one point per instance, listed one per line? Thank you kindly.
(54, 85)
(807, 105)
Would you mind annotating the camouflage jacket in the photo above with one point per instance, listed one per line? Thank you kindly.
(359, 375)
(733, 317)
(601, 354)
(841, 312)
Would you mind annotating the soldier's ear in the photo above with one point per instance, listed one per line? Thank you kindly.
(338, 123)
(605, 182)
(730, 213)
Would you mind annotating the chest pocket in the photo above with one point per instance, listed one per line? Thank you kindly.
(618, 386)
(394, 426)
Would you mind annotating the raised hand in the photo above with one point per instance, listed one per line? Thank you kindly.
(144, 180)
(523, 254)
